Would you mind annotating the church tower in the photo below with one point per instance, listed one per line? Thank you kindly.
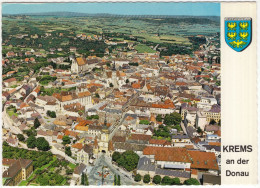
(114, 77)
(95, 148)
(104, 137)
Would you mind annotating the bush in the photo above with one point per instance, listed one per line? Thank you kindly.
(147, 178)
(191, 181)
(138, 177)
(157, 179)
(166, 180)
(176, 181)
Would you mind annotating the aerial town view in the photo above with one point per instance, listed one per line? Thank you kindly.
(111, 94)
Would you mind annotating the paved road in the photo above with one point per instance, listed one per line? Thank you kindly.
(120, 121)
(58, 152)
(7, 122)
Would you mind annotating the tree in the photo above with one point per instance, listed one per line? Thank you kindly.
(42, 144)
(191, 181)
(176, 181)
(52, 114)
(172, 119)
(68, 151)
(5, 143)
(66, 140)
(138, 177)
(118, 180)
(82, 179)
(20, 137)
(147, 178)
(30, 132)
(111, 85)
(36, 123)
(116, 155)
(31, 142)
(166, 180)
(212, 122)
(127, 81)
(115, 179)
(159, 118)
(157, 179)
(97, 95)
(128, 160)
(199, 130)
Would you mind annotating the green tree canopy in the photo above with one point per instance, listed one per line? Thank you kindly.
(31, 142)
(36, 123)
(166, 180)
(42, 144)
(128, 160)
(176, 181)
(68, 151)
(66, 140)
(138, 177)
(116, 155)
(159, 118)
(147, 178)
(172, 119)
(157, 179)
(191, 181)
(118, 180)
(20, 137)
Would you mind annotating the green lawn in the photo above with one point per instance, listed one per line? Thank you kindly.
(141, 48)
(72, 166)
(11, 113)
(64, 181)
(52, 169)
(49, 164)
(23, 183)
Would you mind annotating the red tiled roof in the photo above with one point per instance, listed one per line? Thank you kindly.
(203, 160)
(168, 154)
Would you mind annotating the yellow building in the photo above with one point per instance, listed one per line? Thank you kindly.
(16, 170)
(213, 115)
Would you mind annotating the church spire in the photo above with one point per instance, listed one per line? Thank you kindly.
(114, 66)
(95, 143)
(105, 121)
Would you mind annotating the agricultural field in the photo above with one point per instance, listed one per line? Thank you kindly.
(152, 30)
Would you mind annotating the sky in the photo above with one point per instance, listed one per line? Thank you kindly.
(170, 8)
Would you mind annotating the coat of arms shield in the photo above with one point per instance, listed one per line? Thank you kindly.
(238, 32)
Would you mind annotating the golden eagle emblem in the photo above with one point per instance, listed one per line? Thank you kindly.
(243, 35)
(231, 25)
(237, 44)
(231, 35)
(243, 25)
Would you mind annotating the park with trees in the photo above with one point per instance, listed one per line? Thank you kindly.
(128, 160)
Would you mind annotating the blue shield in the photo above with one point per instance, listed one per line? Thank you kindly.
(238, 33)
